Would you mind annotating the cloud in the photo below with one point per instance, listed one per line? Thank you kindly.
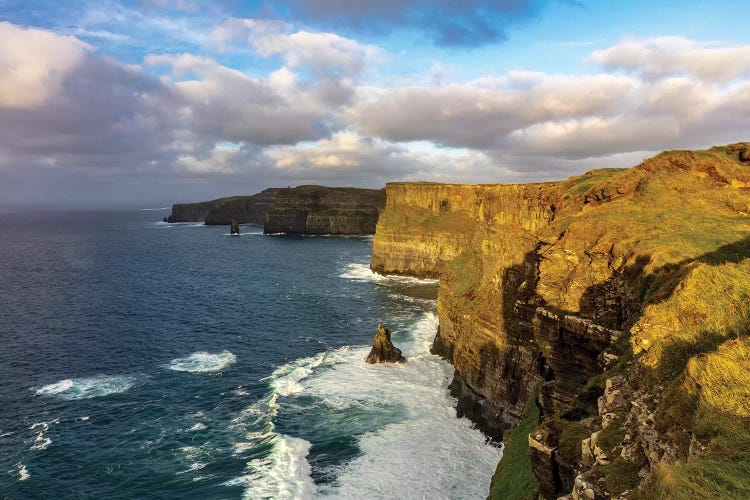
(34, 64)
(322, 53)
(312, 118)
(661, 57)
(686, 103)
(446, 22)
(482, 113)
(223, 104)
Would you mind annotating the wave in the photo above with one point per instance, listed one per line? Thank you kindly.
(203, 362)
(357, 271)
(245, 233)
(164, 225)
(90, 387)
(284, 474)
(406, 452)
(23, 472)
(395, 410)
(152, 209)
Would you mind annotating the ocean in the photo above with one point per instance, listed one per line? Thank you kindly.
(140, 359)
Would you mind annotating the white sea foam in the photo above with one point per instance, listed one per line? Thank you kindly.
(152, 209)
(163, 224)
(284, 474)
(41, 441)
(407, 453)
(23, 472)
(198, 427)
(90, 387)
(458, 464)
(357, 271)
(285, 380)
(245, 233)
(203, 362)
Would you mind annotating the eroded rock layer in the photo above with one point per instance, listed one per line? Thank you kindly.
(325, 210)
(242, 209)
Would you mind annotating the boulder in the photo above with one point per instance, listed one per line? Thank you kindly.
(383, 350)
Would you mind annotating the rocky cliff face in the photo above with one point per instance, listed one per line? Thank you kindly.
(325, 210)
(601, 291)
(244, 209)
(299, 210)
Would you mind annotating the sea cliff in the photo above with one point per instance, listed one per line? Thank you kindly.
(243, 209)
(325, 210)
(610, 308)
(299, 210)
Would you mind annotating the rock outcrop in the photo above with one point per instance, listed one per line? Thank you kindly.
(325, 210)
(235, 228)
(605, 291)
(383, 350)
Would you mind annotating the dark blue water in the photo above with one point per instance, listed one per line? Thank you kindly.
(139, 359)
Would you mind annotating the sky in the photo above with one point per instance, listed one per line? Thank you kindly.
(145, 103)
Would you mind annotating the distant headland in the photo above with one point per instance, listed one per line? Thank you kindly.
(299, 210)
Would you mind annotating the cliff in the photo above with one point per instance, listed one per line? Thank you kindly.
(244, 209)
(615, 302)
(325, 210)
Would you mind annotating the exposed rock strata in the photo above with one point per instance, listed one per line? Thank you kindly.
(561, 284)
(325, 210)
(383, 350)
(244, 209)
(299, 210)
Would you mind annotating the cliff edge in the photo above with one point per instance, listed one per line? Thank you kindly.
(598, 324)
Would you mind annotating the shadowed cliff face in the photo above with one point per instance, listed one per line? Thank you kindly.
(602, 290)
(325, 210)
(299, 210)
(243, 209)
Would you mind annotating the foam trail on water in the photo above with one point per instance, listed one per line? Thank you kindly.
(203, 362)
(152, 209)
(357, 271)
(85, 388)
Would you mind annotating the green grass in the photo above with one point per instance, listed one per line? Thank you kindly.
(620, 476)
(465, 274)
(514, 479)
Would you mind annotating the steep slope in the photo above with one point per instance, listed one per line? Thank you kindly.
(243, 209)
(325, 210)
(618, 294)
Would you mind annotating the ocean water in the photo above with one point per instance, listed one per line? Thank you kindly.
(146, 360)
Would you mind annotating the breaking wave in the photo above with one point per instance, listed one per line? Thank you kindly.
(90, 387)
(203, 362)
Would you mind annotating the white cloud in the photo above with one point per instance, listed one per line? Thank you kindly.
(223, 104)
(324, 53)
(34, 64)
(666, 56)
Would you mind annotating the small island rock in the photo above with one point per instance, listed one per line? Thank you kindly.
(235, 227)
(383, 350)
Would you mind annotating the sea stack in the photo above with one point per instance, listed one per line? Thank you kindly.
(383, 350)
(235, 227)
